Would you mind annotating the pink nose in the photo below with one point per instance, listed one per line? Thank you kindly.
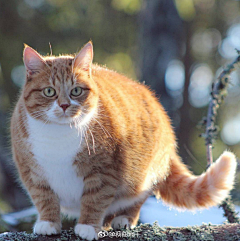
(64, 106)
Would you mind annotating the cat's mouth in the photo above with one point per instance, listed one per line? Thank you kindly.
(61, 118)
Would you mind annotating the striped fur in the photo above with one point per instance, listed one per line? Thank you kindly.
(184, 190)
(105, 152)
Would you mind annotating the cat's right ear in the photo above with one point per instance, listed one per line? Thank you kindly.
(33, 61)
(84, 58)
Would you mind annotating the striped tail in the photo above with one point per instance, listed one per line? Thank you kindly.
(184, 190)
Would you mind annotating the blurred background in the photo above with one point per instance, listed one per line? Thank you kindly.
(177, 47)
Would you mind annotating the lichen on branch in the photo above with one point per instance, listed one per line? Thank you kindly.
(219, 92)
(205, 232)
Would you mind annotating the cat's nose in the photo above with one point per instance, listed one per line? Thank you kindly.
(64, 106)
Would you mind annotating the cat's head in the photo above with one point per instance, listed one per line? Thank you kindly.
(60, 89)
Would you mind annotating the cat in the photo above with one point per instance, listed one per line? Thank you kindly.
(92, 144)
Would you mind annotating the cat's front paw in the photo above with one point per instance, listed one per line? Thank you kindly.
(46, 228)
(120, 222)
(86, 231)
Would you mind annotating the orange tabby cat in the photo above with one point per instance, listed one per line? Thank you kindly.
(93, 144)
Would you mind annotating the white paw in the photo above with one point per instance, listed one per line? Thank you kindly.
(85, 231)
(120, 222)
(46, 228)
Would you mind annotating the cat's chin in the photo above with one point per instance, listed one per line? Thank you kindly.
(63, 120)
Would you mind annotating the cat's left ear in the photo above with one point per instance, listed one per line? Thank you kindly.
(84, 58)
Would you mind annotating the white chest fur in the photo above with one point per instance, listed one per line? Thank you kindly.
(54, 148)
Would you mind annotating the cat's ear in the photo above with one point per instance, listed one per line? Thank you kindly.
(33, 61)
(83, 59)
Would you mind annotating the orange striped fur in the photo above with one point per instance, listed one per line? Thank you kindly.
(99, 155)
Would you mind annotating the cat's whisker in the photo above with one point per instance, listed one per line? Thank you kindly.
(37, 111)
(82, 134)
(93, 141)
(77, 124)
(106, 132)
(86, 139)
(80, 129)
(104, 129)
(45, 122)
(40, 111)
(38, 115)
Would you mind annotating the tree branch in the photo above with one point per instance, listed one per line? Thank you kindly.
(218, 93)
(146, 232)
(219, 90)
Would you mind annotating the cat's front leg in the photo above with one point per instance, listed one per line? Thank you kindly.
(43, 197)
(47, 204)
(45, 200)
(99, 192)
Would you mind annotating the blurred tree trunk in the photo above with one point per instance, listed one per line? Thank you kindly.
(164, 37)
(7, 26)
(161, 42)
(186, 124)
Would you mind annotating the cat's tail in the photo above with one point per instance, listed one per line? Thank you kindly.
(184, 190)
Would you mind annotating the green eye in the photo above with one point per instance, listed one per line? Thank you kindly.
(49, 92)
(76, 91)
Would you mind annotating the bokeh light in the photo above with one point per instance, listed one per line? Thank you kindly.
(121, 62)
(200, 85)
(175, 77)
(226, 49)
(205, 41)
(230, 133)
(128, 6)
(35, 3)
(234, 35)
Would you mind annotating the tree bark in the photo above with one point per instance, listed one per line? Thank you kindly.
(147, 232)
(161, 31)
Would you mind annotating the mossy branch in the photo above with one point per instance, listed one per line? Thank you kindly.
(229, 211)
(206, 232)
(219, 91)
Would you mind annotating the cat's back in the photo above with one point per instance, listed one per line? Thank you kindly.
(125, 91)
(133, 114)
(129, 101)
(115, 82)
